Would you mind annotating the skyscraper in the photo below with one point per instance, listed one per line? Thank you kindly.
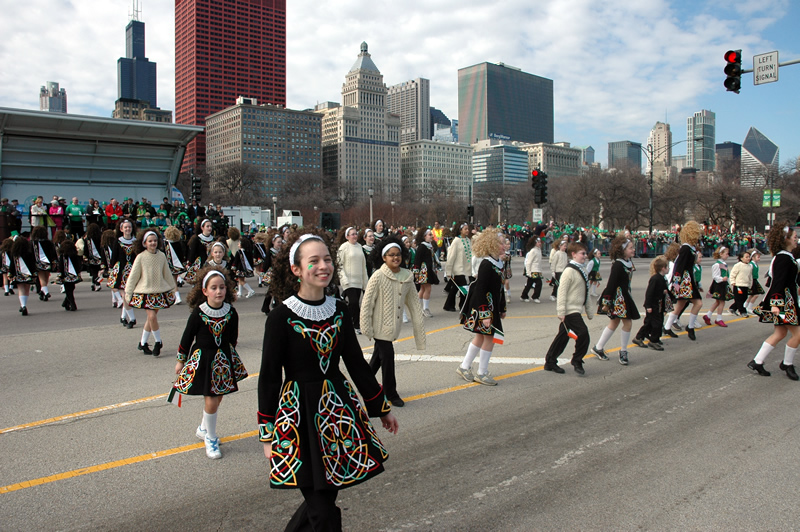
(503, 102)
(224, 50)
(701, 140)
(660, 139)
(52, 99)
(625, 154)
(136, 75)
(360, 138)
(760, 157)
(411, 100)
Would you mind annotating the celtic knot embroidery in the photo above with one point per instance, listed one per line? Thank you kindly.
(216, 326)
(323, 338)
(285, 456)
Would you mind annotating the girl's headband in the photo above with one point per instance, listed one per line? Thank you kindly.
(220, 244)
(204, 222)
(277, 235)
(347, 231)
(211, 274)
(148, 234)
(299, 241)
(388, 247)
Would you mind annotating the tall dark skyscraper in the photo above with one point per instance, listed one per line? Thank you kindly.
(136, 75)
(223, 50)
(503, 102)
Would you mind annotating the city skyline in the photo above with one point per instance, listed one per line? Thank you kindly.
(617, 68)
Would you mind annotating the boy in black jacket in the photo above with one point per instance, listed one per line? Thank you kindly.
(654, 301)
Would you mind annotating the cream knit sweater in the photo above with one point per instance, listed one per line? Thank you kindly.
(571, 294)
(382, 306)
(352, 266)
(150, 275)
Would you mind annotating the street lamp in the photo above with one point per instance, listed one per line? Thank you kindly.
(370, 192)
(650, 153)
(499, 204)
(392, 202)
(275, 211)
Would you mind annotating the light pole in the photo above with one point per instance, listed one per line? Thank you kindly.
(650, 153)
(275, 210)
(499, 205)
(392, 202)
(370, 192)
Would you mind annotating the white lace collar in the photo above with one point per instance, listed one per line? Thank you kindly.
(127, 241)
(690, 246)
(497, 262)
(205, 238)
(215, 312)
(311, 312)
(628, 264)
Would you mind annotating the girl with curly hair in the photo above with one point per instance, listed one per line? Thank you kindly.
(197, 250)
(305, 403)
(720, 287)
(779, 306)
(151, 287)
(485, 306)
(616, 300)
(684, 286)
(208, 363)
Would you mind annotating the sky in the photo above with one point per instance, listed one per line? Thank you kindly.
(617, 66)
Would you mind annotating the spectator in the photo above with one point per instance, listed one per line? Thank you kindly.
(166, 206)
(17, 216)
(75, 214)
(113, 212)
(38, 212)
(56, 221)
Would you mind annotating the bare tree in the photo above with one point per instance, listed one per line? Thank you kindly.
(238, 184)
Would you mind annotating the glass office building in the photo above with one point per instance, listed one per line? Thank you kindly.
(497, 101)
(701, 141)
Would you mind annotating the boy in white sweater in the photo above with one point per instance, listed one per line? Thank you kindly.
(572, 301)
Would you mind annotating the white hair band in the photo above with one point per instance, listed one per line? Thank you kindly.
(388, 247)
(347, 231)
(204, 222)
(211, 274)
(299, 241)
(220, 244)
(148, 234)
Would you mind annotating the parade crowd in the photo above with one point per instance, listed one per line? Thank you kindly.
(323, 289)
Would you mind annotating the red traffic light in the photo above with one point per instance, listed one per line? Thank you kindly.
(534, 173)
(733, 56)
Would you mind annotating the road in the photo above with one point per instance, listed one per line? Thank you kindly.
(684, 439)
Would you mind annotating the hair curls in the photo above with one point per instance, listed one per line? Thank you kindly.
(284, 282)
(196, 296)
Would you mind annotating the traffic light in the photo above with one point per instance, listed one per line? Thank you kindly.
(535, 178)
(470, 211)
(197, 187)
(733, 69)
(542, 188)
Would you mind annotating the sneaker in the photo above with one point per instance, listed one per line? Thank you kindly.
(707, 320)
(201, 433)
(427, 313)
(466, 374)
(212, 448)
(358, 331)
(485, 379)
(655, 345)
(668, 332)
(145, 349)
(250, 294)
(639, 342)
(677, 326)
(734, 312)
(599, 353)
(552, 298)
(536, 301)
(721, 323)
(525, 300)
(623, 358)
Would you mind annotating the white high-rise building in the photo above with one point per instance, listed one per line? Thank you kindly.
(52, 99)
(760, 158)
(701, 141)
(432, 169)
(556, 160)
(411, 100)
(360, 138)
(660, 139)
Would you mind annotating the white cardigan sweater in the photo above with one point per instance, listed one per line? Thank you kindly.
(382, 306)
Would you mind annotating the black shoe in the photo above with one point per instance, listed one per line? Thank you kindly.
(7, 294)
(790, 372)
(130, 324)
(157, 348)
(655, 345)
(599, 353)
(180, 284)
(145, 349)
(24, 311)
(92, 288)
(397, 402)
(690, 332)
(759, 368)
(47, 297)
(668, 332)
(64, 303)
(448, 309)
(10, 292)
(639, 342)
(555, 368)
(41, 296)
(123, 321)
(579, 369)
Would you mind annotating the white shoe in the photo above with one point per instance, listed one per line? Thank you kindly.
(201, 433)
(212, 448)
(427, 313)
(552, 298)
(250, 294)
(405, 318)
(536, 301)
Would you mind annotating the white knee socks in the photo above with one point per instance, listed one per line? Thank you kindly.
(671, 319)
(157, 335)
(765, 350)
(788, 355)
(483, 362)
(624, 339)
(23, 301)
(145, 337)
(210, 424)
(472, 352)
(604, 337)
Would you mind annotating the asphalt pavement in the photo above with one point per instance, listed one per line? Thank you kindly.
(687, 438)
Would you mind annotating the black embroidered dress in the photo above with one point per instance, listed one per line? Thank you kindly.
(320, 431)
(617, 294)
(782, 292)
(485, 299)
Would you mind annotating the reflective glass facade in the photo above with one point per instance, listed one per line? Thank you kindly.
(497, 101)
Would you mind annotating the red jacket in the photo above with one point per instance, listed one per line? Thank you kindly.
(111, 211)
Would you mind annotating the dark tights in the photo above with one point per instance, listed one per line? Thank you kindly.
(317, 513)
